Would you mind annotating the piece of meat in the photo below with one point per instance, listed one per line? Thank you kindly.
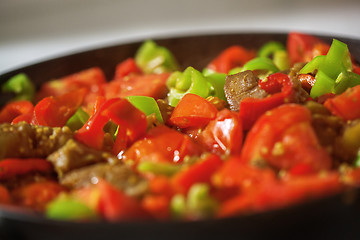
(75, 155)
(119, 175)
(23, 140)
(242, 85)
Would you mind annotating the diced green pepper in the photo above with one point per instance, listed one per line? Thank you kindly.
(323, 84)
(152, 58)
(346, 80)
(158, 168)
(357, 160)
(270, 48)
(147, 105)
(178, 207)
(77, 120)
(281, 60)
(21, 85)
(69, 209)
(260, 63)
(312, 65)
(217, 81)
(198, 85)
(235, 70)
(199, 202)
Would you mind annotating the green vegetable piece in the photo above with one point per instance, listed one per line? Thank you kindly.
(357, 160)
(152, 58)
(21, 85)
(147, 105)
(346, 80)
(336, 60)
(281, 60)
(167, 169)
(217, 81)
(260, 63)
(235, 70)
(69, 209)
(77, 120)
(270, 48)
(198, 85)
(199, 202)
(312, 65)
(323, 84)
(178, 207)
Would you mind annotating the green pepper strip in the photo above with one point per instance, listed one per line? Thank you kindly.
(281, 60)
(178, 207)
(323, 84)
(312, 65)
(217, 81)
(77, 120)
(346, 80)
(190, 77)
(152, 58)
(199, 202)
(21, 85)
(260, 63)
(270, 48)
(69, 209)
(167, 169)
(147, 105)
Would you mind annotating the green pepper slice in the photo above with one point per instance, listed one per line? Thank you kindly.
(21, 85)
(147, 105)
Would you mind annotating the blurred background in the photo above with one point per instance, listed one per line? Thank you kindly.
(36, 30)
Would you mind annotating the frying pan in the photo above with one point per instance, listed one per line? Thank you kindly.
(334, 217)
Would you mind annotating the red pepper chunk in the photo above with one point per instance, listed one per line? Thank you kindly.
(230, 58)
(252, 108)
(132, 124)
(284, 138)
(200, 172)
(345, 105)
(223, 134)
(17, 111)
(11, 167)
(126, 68)
(5, 197)
(192, 111)
(55, 111)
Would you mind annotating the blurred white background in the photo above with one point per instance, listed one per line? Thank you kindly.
(34, 30)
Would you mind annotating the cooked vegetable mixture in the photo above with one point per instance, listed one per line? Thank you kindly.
(255, 130)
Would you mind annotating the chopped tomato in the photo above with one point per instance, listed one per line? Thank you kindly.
(192, 111)
(126, 68)
(152, 85)
(37, 195)
(303, 47)
(17, 111)
(157, 205)
(5, 197)
(345, 105)
(11, 167)
(307, 81)
(55, 111)
(162, 144)
(224, 134)
(230, 58)
(115, 205)
(200, 172)
(285, 138)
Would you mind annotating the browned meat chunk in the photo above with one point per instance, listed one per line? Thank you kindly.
(23, 140)
(242, 85)
(75, 155)
(120, 175)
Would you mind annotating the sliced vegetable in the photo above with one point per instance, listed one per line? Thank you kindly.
(17, 111)
(147, 105)
(77, 120)
(12, 167)
(21, 85)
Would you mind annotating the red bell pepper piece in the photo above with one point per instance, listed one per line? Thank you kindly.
(157, 205)
(252, 108)
(5, 197)
(284, 138)
(345, 105)
(200, 172)
(126, 68)
(132, 124)
(162, 144)
(37, 195)
(223, 134)
(307, 81)
(230, 58)
(192, 111)
(17, 111)
(11, 167)
(303, 47)
(56, 111)
(115, 205)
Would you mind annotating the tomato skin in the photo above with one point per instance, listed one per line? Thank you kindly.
(303, 47)
(126, 68)
(200, 172)
(17, 111)
(11, 167)
(192, 111)
(223, 134)
(55, 111)
(162, 144)
(276, 136)
(230, 58)
(115, 205)
(151, 85)
(345, 105)
(37, 195)
(5, 197)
